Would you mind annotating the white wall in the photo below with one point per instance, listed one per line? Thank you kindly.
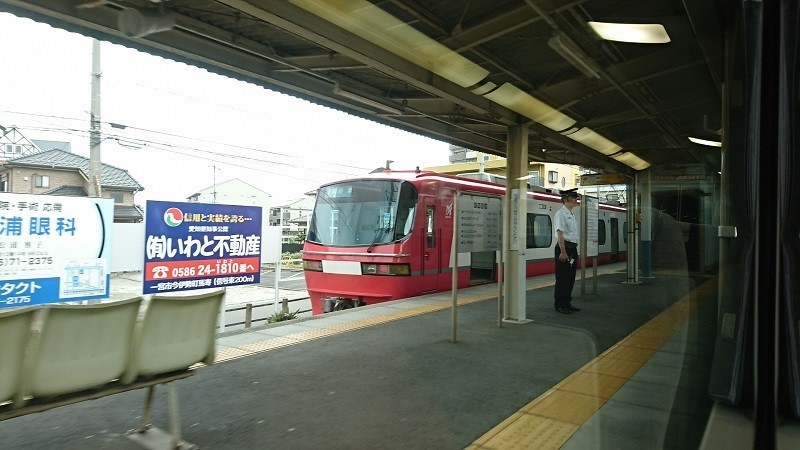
(127, 247)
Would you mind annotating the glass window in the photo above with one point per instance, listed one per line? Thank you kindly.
(539, 231)
(118, 197)
(365, 212)
(431, 227)
(42, 181)
(552, 176)
(625, 232)
(601, 232)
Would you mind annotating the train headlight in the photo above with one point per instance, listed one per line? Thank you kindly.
(385, 269)
(312, 265)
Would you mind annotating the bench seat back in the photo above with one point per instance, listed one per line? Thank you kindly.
(15, 332)
(176, 333)
(80, 347)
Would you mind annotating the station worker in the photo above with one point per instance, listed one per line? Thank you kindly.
(566, 252)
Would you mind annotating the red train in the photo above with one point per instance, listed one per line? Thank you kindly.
(388, 236)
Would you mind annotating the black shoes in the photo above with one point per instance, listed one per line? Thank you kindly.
(574, 308)
(564, 310)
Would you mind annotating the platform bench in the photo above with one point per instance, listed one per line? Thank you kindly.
(56, 355)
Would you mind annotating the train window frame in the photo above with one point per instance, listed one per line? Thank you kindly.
(625, 232)
(430, 226)
(601, 232)
(537, 240)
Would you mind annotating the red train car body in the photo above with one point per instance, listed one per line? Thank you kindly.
(389, 236)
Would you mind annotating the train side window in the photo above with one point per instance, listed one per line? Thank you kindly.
(601, 232)
(430, 227)
(625, 232)
(539, 231)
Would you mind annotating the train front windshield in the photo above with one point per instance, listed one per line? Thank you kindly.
(368, 212)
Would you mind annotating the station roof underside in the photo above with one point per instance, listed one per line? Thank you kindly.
(455, 70)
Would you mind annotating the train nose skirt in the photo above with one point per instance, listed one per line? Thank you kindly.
(330, 304)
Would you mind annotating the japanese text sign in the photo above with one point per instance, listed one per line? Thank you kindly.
(200, 245)
(54, 249)
(479, 222)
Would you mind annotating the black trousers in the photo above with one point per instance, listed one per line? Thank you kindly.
(565, 275)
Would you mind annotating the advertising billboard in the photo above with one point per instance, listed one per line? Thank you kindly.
(200, 245)
(54, 249)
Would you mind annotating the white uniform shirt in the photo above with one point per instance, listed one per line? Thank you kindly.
(565, 221)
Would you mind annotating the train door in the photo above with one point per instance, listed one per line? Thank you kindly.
(614, 248)
(430, 255)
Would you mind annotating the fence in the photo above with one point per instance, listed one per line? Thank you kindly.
(249, 309)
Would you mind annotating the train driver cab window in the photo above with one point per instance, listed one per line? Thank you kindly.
(539, 231)
(430, 227)
(363, 213)
(601, 232)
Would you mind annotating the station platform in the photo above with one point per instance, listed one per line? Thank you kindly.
(628, 371)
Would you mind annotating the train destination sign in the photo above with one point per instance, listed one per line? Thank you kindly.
(479, 223)
(200, 245)
(54, 249)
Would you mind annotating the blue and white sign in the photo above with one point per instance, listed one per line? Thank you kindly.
(200, 245)
(54, 249)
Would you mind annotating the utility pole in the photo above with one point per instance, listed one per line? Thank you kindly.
(214, 187)
(95, 166)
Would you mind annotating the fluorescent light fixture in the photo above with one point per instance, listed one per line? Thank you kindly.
(570, 51)
(705, 142)
(523, 103)
(364, 100)
(139, 23)
(631, 160)
(371, 23)
(593, 140)
(486, 88)
(368, 21)
(641, 33)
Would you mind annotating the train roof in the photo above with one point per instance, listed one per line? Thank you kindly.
(421, 175)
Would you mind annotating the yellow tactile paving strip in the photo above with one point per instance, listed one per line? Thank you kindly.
(551, 419)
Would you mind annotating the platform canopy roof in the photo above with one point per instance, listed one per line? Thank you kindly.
(460, 71)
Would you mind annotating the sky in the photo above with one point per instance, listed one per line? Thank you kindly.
(185, 128)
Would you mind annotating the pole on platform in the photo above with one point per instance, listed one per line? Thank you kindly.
(454, 308)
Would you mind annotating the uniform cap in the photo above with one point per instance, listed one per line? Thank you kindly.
(570, 193)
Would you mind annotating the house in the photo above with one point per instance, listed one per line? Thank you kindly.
(14, 144)
(293, 216)
(543, 174)
(59, 172)
(52, 145)
(234, 192)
